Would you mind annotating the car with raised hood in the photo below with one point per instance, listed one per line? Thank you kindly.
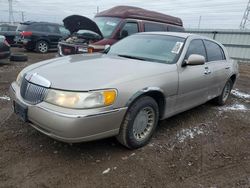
(111, 25)
(40, 36)
(4, 48)
(124, 91)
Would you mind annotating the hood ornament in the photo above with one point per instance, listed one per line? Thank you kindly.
(35, 78)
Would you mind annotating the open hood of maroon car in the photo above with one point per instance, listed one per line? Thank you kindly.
(75, 23)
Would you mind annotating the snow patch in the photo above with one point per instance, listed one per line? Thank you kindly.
(189, 133)
(5, 97)
(106, 171)
(235, 107)
(240, 94)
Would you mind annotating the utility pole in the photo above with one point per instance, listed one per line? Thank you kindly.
(11, 15)
(199, 25)
(245, 17)
(97, 9)
(22, 16)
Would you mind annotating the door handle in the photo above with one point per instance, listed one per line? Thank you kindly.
(207, 71)
(227, 68)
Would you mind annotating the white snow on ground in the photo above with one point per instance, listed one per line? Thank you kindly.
(106, 171)
(234, 107)
(4, 98)
(240, 94)
(182, 135)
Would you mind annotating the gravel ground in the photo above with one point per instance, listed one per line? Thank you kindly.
(207, 146)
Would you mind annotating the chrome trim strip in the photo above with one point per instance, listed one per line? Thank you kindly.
(81, 116)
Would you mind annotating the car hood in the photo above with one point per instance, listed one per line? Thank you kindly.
(91, 72)
(75, 23)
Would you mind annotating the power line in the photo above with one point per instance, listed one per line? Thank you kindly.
(245, 18)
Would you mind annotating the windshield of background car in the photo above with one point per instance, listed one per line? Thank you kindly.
(149, 47)
(107, 25)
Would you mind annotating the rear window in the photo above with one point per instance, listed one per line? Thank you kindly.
(154, 27)
(4, 28)
(22, 27)
(175, 28)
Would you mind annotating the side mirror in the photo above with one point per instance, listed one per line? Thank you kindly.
(123, 34)
(195, 59)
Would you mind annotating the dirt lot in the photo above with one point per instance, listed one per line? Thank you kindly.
(207, 146)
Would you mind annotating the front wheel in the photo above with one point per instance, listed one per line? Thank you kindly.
(223, 97)
(139, 123)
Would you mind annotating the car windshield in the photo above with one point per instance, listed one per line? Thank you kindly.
(107, 25)
(149, 47)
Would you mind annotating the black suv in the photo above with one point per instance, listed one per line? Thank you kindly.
(9, 31)
(40, 36)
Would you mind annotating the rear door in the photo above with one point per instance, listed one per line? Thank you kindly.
(218, 67)
(193, 80)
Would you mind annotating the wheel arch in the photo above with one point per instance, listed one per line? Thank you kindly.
(155, 92)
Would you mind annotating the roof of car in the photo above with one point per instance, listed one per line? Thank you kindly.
(177, 34)
(34, 22)
(139, 13)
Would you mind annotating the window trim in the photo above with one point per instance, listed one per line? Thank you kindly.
(206, 57)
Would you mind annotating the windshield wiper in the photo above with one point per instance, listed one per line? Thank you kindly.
(132, 57)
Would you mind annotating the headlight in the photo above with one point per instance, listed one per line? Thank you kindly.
(81, 100)
(19, 79)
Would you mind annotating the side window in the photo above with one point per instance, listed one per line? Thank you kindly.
(153, 27)
(12, 28)
(63, 30)
(52, 29)
(214, 51)
(37, 28)
(129, 29)
(196, 46)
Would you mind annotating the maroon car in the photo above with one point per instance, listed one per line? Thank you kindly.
(112, 25)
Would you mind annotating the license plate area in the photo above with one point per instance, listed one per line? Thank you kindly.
(21, 110)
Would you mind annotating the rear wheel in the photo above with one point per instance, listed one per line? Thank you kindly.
(42, 46)
(223, 97)
(139, 123)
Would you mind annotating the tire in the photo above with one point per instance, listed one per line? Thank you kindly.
(42, 46)
(18, 57)
(223, 97)
(139, 123)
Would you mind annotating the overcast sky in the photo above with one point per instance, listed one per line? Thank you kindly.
(214, 13)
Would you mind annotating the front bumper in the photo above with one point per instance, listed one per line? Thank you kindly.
(71, 125)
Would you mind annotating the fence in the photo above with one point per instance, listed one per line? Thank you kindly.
(237, 42)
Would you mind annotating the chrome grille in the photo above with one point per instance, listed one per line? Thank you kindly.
(32, 93)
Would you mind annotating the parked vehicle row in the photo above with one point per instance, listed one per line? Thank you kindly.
(83, 35)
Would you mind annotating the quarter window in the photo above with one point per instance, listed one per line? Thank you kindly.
(130, 27)
(196, 46)
(214, 51)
